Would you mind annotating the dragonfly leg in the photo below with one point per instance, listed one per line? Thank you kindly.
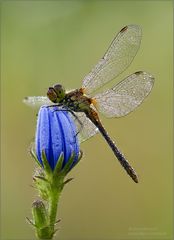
(54, 105)
(78, 120)
(69, 110)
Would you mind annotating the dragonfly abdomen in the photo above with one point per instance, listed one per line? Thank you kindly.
(131, 172)
(125, 164)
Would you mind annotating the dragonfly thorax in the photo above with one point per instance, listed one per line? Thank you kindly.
(77, 101)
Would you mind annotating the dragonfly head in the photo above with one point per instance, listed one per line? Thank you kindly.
(56, 93)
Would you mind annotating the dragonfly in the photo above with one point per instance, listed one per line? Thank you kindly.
(84, 103)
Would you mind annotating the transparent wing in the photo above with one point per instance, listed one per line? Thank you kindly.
(37, 101)
(85, 128)
(116, 59)
(125, 96)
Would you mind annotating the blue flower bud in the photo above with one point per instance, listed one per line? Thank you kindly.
(56, 134)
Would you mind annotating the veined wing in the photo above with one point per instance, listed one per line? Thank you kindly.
(85, 128)
(117, 58)
(37, 101)
(125, 96)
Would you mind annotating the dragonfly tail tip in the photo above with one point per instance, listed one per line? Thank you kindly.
(135, 178)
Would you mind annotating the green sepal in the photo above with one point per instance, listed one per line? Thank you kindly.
(68, 180)
(46, 165)
(79, 158)
(59, 164)
(35, 157)
(41, 178)
(62, 184)
(68, 165)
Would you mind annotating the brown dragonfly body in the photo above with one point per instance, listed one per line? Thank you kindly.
(76, 101)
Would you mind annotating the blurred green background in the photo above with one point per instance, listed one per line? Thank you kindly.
(45, 42)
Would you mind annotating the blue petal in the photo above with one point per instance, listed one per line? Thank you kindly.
(42, 133)
(69, 135)
(56, 133)
(57, 144)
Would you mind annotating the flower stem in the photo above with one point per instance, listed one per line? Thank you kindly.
(52, 208)
(45, 218)
(50, 185)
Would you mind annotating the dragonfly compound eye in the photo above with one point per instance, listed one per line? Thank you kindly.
(60, 91)
(51, 94)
